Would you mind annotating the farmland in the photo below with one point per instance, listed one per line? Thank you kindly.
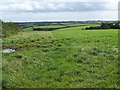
(64, 58)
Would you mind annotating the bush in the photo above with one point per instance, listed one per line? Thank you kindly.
(10, 28)
(106, 26)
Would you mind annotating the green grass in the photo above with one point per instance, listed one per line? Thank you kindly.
(65, 58)
(49, 26)
(28, 29)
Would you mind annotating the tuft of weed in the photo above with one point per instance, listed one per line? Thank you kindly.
(19, 56)
(94, 51)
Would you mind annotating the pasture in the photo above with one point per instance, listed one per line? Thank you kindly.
(64, 58)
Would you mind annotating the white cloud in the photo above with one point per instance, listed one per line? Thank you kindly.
(75, 0)
(8, 1)
(51, 5)
(37, 6)
(79, 16)
(89, 5)
(29, 6)
(17, 6)
(26, 9)
(112, 6)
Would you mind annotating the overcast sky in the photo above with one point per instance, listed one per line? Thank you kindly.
(55, 10)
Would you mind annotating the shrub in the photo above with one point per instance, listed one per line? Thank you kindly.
(106, 26)
(10, 28)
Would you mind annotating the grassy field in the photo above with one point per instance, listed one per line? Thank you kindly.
(49, 26)
(64, 58)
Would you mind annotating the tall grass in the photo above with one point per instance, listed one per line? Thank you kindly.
(65, 58)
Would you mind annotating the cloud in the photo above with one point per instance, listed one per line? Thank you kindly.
(30, 6)
(31, 10)
(62, 0)
(61, 16)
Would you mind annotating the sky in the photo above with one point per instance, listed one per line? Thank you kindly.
(58, 10)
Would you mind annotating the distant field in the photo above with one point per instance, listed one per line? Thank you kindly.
(49, 26)
(64, 58)
(65, 25)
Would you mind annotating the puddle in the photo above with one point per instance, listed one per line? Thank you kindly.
(7, 51)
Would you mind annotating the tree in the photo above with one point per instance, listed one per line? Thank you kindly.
(105, 26)
(117, 26)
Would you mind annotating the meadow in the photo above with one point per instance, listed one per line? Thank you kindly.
(64, 58)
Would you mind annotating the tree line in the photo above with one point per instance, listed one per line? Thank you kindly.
(106, 26)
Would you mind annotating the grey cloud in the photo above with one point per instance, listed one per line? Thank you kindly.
(55, 6)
